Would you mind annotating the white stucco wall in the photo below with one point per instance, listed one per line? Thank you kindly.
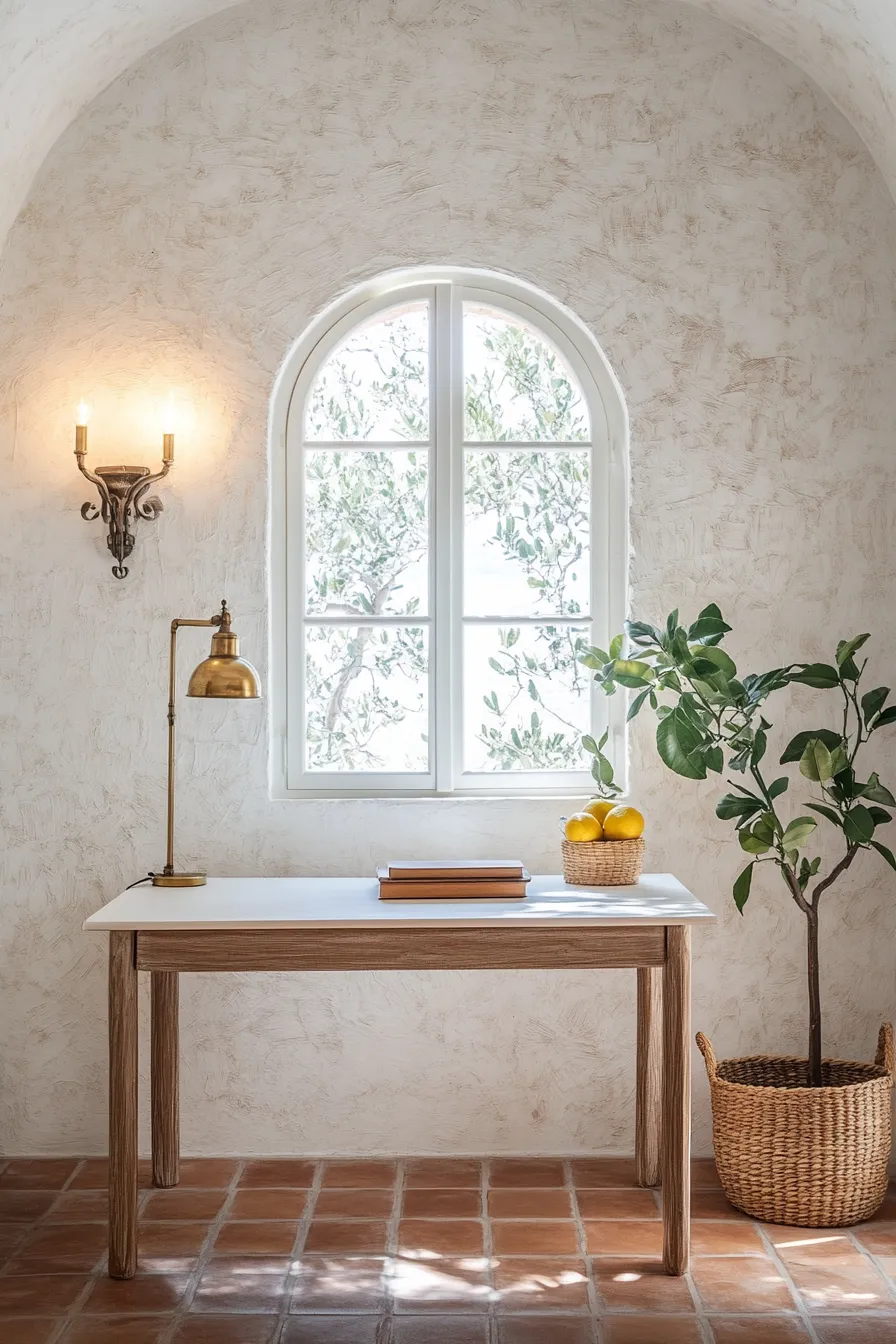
(727, 238)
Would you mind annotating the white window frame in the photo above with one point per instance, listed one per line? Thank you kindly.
(446, 289)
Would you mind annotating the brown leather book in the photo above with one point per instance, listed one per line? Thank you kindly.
(451, 870)
(481, 889)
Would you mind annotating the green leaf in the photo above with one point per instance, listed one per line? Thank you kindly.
(820, 675)
(733, 805)
(798, 832)
(678, 742)
(589, 744)
(604, 739)
(714, 759)
(873, 702)
(839, 760)
(858, 825)
(628, 672)
(778, 786)
(616, 645)
(635, 706)
(759, 745)
(887, 853)
(847, 647)
(887, 716)
(671, 624)
(764, 828)
(594, 658)
(815, 762)
(752, 844)
(708, 625)
(605, 770)
(797, 745)
(826, 812)
(741, 888)
(877, 792)
(641, 633)
(880, 816)
(719, 660)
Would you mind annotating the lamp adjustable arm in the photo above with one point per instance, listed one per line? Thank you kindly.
(222, 618)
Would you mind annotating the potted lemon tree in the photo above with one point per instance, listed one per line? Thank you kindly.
(807, 1140)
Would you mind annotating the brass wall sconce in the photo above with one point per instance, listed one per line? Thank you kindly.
(223, 675)
(122, 492)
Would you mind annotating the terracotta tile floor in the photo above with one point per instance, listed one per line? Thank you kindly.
(424, 1251)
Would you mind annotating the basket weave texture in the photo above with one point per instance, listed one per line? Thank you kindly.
(602, 863)
(800, 1155)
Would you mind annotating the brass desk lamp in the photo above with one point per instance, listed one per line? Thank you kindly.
(224, 675)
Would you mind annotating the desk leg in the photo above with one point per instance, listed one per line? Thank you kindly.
(648, 1087)
(676, 1145)
(165, 1079)
(122, 1105)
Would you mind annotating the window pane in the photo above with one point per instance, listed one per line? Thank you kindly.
(375, 385)
(526, 533)
(516, 385)
(366, 531)
(367, 698)
(526, 697)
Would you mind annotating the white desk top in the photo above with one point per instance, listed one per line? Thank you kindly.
(339, 902)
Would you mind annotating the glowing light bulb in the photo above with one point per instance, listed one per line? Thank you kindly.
(82, 414)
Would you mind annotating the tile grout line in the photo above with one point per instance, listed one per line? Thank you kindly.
(43, 1220)
(488, 1247)
(99, 1268)
(182, 1309)
(872, 1259)
(782, 1269)
(92, 1274)
(594, 1298)
(298, 1245)
(393, 1222)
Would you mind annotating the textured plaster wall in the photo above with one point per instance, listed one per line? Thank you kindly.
(56, 55)
(724, 233)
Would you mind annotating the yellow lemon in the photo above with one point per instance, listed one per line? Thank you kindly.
(599, 807)
(581, 826)
(623, 823)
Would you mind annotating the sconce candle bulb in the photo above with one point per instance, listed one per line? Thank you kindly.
(122, 492)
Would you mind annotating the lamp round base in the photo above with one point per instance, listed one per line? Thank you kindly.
(179, 879)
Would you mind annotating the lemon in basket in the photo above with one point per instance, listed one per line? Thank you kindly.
(599, 807)
(623, 823)
(582, 827)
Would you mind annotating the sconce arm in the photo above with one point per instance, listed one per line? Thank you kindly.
(90, 511)
(135, 499)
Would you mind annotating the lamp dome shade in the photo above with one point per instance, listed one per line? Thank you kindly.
(224, 675)
(225, 678)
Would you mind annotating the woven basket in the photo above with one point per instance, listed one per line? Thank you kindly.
(805, 1156)
(602, 863)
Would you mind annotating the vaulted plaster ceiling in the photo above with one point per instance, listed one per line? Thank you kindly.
(56, 55)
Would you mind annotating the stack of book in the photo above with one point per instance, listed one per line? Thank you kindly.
(453, 880)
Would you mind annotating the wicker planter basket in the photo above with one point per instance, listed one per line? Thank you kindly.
(602, 863)
(805, 1156)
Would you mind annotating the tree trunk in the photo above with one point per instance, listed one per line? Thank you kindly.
(814, 1002)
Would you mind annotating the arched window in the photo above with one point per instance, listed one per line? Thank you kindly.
(449, 511)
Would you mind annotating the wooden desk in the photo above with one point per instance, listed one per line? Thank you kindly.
(338, 924)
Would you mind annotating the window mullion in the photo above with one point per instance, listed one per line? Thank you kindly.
(441, 576)
(458, 698)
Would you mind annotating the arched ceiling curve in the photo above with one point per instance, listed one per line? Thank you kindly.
(56, 55)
